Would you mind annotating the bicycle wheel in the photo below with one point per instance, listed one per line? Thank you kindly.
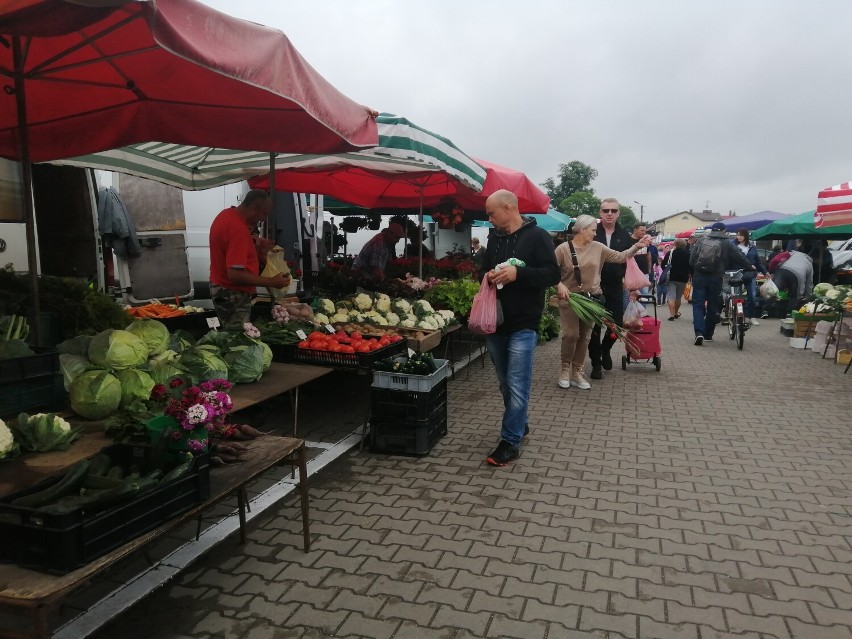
(740, 332)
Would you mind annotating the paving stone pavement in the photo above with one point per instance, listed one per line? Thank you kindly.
(712, 499)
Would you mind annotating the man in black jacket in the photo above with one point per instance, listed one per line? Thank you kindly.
(520, 294)
(612, 235)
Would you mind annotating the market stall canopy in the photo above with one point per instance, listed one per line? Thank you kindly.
(834, 206)
(801, 226)
(751, 221)
(408, 164)
(553, 221)
(531, 199)
(689, 233)
(119, 72)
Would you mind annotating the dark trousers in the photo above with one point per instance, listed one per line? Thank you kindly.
(602, 340)
(787, 280)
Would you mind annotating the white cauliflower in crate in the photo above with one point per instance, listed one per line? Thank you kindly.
(448, 316)
(383, 303)
(832, 294)
(321, 318)
(326, 306)
(408, 323)
(422, 308)
(355, 316)
(439, 321)
(428, 323)
(401, 307)
(363, 302)
(392, 318)
(8, 446)
(381, 321)
(339, 317)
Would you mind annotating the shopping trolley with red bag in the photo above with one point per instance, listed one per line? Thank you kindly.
(643, 344)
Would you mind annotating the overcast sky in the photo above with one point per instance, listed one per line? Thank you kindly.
(742, 104)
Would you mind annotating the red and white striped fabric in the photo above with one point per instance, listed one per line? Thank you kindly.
(834, 207)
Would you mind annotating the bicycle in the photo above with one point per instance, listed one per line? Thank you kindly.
(733, 308)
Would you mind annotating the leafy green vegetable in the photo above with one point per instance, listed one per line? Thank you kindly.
(117, 349)
(201, 364)
(164, 366)
(9, 349)
(95, 394)
(71, 366)
(245, 363)
(180, 340)
(78, 345)
(153, 333)
(9, 448)
(455, 295)
(43, 432)
(135, 384)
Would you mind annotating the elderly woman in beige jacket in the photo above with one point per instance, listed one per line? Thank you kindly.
(591, 256)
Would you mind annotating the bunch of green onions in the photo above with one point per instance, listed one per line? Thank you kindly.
(591, 312)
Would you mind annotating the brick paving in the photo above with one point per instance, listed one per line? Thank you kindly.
(711, 499)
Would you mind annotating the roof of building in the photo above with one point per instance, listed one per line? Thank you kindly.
(705, 216)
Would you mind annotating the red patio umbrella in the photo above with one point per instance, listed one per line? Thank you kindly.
(531, 199)
(116, 72)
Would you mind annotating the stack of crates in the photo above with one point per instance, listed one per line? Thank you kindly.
(408, 413)
(31, 383)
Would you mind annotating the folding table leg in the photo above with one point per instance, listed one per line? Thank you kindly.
(303, 489)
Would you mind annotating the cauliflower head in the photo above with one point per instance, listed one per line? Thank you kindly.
(392, 318)
(422, 307)
(832, 294)
(383, 303)
(407, 323)
(339, 317)
(321, 318)
(9, 448)
(363, 302)
(326, 306)
(401, 306)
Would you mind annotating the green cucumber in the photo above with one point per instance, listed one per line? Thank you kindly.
(70, 483)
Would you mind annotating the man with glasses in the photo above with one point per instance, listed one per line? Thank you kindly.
(610, 234)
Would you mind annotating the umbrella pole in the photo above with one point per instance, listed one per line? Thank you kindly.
(272, 227)
(27, 186)
(420, 230)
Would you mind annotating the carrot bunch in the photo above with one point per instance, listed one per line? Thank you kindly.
(155, 311)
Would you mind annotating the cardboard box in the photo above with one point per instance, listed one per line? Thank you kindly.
(844, 357)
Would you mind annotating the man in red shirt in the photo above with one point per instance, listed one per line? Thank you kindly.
(234, 259)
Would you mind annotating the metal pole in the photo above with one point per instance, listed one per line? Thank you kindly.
(420, 230)
(27, 185)
(272, 227)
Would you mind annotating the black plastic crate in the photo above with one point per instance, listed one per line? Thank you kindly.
(285, 353)
(44, 362)
(410, 437)
(403, 406)
(60, 543)
(45, 393)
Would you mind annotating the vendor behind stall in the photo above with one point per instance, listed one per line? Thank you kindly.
(236, 254)
(373, 258)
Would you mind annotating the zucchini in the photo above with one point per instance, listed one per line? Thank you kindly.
(116, 472)
(100, 465)
(178, 471)
(103, 500)
(94, 482)
(70, 483)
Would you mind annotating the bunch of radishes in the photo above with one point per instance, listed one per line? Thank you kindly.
(280, 314)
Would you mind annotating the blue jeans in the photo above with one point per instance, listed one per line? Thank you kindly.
(706, 303)
(751, 297)
(513, 356)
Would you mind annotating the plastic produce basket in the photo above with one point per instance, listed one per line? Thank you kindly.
(285, 353)
(60, 543)
(407, 382)
(44, 362)
(348, 360)
(408, 406)
(34, 394)
(411, 438)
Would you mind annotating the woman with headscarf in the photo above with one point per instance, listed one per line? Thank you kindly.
(580, 260)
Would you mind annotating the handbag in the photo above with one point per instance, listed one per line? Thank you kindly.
(634, 278)
(664, 276)
(600, 299)
(687, 292)
(483, 311)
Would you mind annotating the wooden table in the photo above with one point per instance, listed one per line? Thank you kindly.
(37, 594)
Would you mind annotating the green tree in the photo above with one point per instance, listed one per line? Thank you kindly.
(573, 177)
(627, 218)
(579, 203)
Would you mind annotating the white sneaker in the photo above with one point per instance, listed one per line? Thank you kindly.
(565, 376)
(754, 322)
(578, 380)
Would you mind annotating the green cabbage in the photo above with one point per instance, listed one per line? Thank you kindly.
(822, 288)
(95, 394)
(135, 384)
(180, 340)
(71, 366)
(245, 363)
(164, 366)
(202, 363)
(153, 333)
(267, 356)
(76, 345)
(117, 349)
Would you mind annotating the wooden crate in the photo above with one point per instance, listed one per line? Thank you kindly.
(804, 328)
(427, 341)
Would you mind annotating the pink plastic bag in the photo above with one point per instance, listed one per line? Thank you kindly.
(635, 279)
(483, 311)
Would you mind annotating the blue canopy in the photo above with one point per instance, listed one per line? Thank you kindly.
(751, 221)
(553, 221)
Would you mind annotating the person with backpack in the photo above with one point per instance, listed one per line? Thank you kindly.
(709, 258)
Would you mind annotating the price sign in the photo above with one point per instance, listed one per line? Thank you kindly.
(330, 328)
(301, 334)
(213, 322)
(411, 353)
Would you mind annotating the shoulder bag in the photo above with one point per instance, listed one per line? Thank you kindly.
(592, 296)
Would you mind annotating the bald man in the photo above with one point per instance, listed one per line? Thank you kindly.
(521, 298)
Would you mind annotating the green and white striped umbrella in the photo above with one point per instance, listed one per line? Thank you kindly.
(405, 149)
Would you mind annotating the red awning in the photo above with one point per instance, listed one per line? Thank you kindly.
(123, 72)
(834, 207)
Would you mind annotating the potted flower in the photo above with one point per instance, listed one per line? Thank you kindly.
(190, 413)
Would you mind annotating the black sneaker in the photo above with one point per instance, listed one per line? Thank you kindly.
(503, 454)
(526, 431)
(596, 372)
(606, 362)
(699, 340)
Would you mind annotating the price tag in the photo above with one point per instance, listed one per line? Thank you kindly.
(411, 352)
(330, 328)
(213, 322)
(301, 334)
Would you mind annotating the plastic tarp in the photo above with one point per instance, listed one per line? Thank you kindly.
(801, 226)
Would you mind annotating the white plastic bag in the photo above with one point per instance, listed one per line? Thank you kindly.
(633, 314)
(768, 289)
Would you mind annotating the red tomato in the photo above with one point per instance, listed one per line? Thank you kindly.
(356, 335)
(375, 345)
(304, 344)
(346, 349)
(333, 347)
(317, 335)
(385, 340)
(317, 344)
(363, 347)
(395, 338)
